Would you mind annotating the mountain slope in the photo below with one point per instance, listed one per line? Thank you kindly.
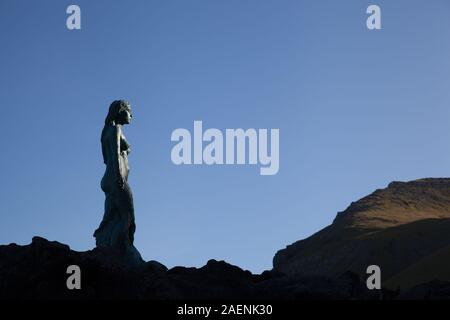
(392, 227)
(435, 266)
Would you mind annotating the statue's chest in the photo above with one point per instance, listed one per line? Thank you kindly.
(124, 145)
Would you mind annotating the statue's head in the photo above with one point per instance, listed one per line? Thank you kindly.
(119, 113)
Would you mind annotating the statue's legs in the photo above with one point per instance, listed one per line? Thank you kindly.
(118, 226)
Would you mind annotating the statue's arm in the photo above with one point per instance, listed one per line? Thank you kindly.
(116, 156)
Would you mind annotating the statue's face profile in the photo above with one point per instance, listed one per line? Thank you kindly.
(124, 117)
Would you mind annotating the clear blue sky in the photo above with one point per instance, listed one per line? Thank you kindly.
(356, 109)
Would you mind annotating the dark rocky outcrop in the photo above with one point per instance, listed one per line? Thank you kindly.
(38, 271)
(404, 228)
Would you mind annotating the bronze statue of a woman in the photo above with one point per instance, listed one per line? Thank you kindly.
(118, 226)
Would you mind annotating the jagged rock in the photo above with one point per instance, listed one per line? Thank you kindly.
(38, 271)
(433, 290)
(405, 229)
(155, 266)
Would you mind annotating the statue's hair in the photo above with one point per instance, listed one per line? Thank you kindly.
(116, 107)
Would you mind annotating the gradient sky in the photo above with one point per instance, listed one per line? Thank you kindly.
(356, 109)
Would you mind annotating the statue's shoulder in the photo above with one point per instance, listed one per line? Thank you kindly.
(112, 132)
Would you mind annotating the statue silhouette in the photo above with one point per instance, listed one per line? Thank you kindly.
(118, 226)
